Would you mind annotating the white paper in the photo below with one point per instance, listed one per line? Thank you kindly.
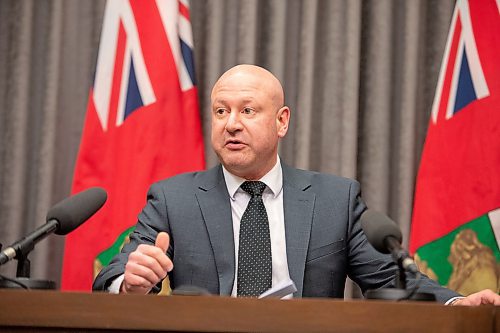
(282, 289)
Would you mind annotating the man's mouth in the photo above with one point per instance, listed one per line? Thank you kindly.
(234, 144)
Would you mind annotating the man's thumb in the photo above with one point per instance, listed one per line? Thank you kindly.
(162, 241)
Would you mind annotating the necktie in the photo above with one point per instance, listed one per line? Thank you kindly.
(254, 254)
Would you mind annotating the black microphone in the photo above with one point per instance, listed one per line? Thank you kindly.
(385, 236)
(62, 218)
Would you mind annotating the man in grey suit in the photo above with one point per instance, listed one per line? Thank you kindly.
(190, 227)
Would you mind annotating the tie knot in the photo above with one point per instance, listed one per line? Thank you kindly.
(253, 187)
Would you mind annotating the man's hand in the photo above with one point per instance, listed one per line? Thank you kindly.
(482, 297)
(147, 266)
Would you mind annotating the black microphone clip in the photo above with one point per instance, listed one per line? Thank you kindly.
(400, 255)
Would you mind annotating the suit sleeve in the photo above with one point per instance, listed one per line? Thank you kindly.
(152, 220)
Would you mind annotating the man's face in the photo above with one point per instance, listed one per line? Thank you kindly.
(247, 122)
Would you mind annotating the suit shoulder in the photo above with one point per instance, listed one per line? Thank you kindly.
(181, 182)
(188, 179)
(323, 179)
(183, 178)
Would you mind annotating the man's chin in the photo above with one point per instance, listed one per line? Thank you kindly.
(237, 165)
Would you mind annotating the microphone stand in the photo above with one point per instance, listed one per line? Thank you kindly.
(23, 279)
(61, 219)
(400, 292)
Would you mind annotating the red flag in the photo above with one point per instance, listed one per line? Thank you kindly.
(456, 224)
(142, 124)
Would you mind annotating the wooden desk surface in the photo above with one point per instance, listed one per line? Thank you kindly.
(82, 312)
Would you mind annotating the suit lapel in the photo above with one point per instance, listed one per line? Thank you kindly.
(215, 206)
(298, 206)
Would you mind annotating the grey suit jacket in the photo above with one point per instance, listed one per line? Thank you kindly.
(324, 240)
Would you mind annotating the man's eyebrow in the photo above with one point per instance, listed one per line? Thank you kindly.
(219, 101)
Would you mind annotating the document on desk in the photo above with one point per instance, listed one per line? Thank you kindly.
(282, 289)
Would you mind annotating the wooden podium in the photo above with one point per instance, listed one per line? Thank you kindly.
(51, 311)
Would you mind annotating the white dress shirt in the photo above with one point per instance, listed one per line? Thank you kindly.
(273, 201)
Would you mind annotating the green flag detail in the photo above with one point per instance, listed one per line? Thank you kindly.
(468, 258)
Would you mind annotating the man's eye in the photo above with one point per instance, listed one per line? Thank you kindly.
(248, 111)
(220, 111)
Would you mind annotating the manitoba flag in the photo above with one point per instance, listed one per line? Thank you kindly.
(455, 232)
(142, 125)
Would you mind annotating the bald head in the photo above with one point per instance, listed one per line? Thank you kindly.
(255, 76)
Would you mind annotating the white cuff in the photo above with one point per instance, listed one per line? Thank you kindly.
(114, 287)
(453, 299)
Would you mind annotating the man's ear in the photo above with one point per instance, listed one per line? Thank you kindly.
(282, 120)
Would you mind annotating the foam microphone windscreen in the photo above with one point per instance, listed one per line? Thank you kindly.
(377, 227)
(73, 211)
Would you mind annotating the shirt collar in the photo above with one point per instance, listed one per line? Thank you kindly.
(273, 180)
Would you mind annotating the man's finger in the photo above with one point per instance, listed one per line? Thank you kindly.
(162, 241)
(135, 284)
(154, 252)
(152, 272)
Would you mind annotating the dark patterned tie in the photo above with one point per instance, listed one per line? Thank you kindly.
(254, 254)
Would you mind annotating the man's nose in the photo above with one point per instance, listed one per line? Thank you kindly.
(233, 122)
